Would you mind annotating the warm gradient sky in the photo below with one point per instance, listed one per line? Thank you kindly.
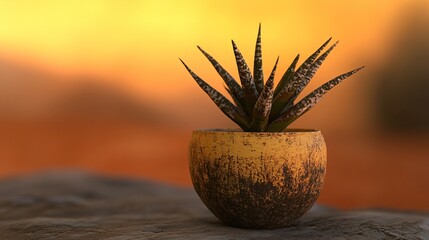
(136, 44)
(139, 41)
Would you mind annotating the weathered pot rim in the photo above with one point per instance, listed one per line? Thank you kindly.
(239, 131)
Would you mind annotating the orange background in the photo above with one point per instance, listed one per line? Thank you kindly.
(97, 85)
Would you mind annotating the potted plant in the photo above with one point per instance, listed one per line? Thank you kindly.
(264, 175)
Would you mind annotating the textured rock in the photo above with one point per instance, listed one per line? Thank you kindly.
(75, 205)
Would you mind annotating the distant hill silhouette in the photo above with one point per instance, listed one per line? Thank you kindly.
(91, 100)
(27, 94)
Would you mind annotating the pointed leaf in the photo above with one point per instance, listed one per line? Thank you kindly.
(247, 83)
(286, 76)
(277, 106)
(230, 110)
(286, 95)
(262, 109)
(258, 73)
(307, 63)
(234, 88)
(303, 68)
(302, 83)
(307, 103)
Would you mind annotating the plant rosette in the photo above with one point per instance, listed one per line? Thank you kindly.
(265, 175)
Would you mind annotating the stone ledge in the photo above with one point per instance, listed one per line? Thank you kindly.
(77, 205)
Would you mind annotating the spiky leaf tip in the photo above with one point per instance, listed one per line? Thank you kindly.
(279, 103)
(247, 82)
(287, 75)
(307, 103)
(233, 112)
(262, 109)
(235, 89)
(302, 83)
(299, 74)
(288, 93)
(258, 72)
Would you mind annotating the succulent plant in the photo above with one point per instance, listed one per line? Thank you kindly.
(258, 106)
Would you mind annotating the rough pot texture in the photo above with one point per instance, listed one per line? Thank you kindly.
(258, 179)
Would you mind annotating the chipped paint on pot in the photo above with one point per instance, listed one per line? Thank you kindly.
(258, 179)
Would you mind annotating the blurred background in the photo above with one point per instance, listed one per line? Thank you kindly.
(97, 86)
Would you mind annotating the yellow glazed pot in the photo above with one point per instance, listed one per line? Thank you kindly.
(258, 179)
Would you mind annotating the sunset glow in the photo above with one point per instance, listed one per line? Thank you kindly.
(137, 43)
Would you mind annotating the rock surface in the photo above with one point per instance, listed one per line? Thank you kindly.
(76, 205)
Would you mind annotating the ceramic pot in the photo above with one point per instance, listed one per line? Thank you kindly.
(259, 180)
